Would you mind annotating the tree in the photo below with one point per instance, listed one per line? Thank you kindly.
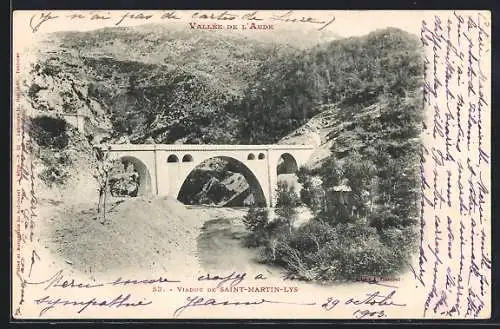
(256, 219)
(312, 193)
(286, 203)
(304, 178)
(277, 230)
(330, 173)
(103, 167)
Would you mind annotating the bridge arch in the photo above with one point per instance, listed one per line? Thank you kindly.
(234, 165)
(144, 176)
(287, 164)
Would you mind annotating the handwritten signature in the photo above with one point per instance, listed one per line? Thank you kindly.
(290, 18)
(200, 301)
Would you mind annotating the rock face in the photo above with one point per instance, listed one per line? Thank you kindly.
(209, 187)
(125, 186)
(220, 182)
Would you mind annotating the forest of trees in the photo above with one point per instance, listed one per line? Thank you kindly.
(353, 72)
(377, 83)
(266, 93)
(287, 91)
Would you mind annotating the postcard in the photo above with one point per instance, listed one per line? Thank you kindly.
(259, 164)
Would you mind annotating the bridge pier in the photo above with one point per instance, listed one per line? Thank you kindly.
(272, 178)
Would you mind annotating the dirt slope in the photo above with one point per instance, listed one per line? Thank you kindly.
(154, 235)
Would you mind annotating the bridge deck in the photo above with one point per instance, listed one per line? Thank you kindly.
(205, 147)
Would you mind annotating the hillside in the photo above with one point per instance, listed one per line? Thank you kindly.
(157, 85)
(127, 241)
(352, 73)
(172, 85)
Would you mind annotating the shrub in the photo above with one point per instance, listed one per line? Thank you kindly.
(294, 261)
(334, 218)
(401, 242)
(49, 132)
(286, 196)
(54, 176)
(256, 221)
(276, 231)
(346, 251)
(297, 251)
(310, 194)
(304, 176)
(357, 252)
(287, 201)
(311, 236)
(265, 233)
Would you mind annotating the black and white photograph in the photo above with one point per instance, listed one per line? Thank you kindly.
(257, 164)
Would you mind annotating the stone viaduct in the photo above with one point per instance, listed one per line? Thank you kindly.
(163, 168)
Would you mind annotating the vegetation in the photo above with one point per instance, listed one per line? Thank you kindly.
(376, 83)
(371, 85)
(104, 165)
(286, 203)
(50, 142)
(49, 132)
(311, 193)
(354, 73)
(336, 245)
(256, 93)
(257, 221)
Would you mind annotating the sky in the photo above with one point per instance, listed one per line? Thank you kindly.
(29, 26)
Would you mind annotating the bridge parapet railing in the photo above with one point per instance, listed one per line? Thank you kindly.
(205, 147)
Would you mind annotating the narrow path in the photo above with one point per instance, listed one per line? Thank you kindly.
(220, 245)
